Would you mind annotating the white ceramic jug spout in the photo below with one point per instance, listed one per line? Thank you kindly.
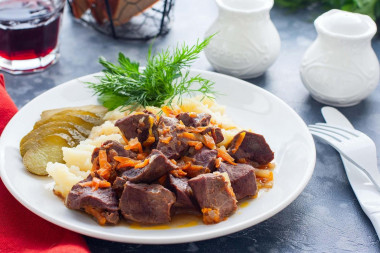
(246, 41)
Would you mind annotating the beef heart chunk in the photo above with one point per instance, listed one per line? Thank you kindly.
(148, 204)
(254, 148)
(118, 185)
(242, 177)
(137, 125)
(217, 135)
(185, 202)
(214, 195)
(117, 150)
(158, 166)
(170, 144)
(113, 148)
(194, 120)
(103, 201)
(206, 158)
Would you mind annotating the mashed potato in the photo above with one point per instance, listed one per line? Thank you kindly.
(65, 177)
(78, 159)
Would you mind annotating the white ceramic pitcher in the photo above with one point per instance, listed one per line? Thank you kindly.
(246, 41)
(340, 68)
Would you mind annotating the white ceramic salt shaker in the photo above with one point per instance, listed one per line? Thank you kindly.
(246, 41)
(340, 68)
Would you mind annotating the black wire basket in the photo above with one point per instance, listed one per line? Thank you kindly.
(125, 19)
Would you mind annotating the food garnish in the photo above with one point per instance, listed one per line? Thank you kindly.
(165, 77)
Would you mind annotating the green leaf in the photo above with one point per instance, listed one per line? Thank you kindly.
(165, 76)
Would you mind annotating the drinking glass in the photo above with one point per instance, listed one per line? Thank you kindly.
(29, 34)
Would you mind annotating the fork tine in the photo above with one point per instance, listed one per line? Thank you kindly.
(330, 131)
(330, 139)
(352, 132)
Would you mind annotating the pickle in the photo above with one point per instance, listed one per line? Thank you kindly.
(97, 110)
(66, 118)
(47, 149)
(76, 131)
(71, 135)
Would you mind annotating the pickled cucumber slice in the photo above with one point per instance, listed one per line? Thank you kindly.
(77, 120)
(72, 138)
(48, 149)
(76, 131)
(98, 110)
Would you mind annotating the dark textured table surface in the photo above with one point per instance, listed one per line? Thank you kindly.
(326, 217)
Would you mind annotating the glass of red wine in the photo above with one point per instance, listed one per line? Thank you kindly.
(29, 34)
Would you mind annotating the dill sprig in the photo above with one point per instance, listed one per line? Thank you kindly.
(165, 76)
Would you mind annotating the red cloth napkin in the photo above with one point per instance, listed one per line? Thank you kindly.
(20, 229)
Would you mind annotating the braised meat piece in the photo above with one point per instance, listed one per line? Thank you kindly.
(170, 143)
(204, 157)
(214, 195)
(185, 202)
(217, 134)
(157, 166)
(194, 119)
(147, 204)
(242, 177)
(113, 148)
(102, 203)
(140, 125)
(253, 147)
(118, 185)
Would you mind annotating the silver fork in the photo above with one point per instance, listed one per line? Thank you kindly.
(353, 145)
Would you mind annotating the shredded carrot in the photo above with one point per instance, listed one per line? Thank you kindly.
(125, 139)
(141, 156)
(192, 114)
(211, 216)
(196, 130)
(125, 161)
(149, 141)
(95, 164)
(225, 156)
(134, 145)
(99, 217)
(96, 183)
(188, 135)
(104, 173)
(173, 161)
(169, 112)
(188, 159)
(238, 142)
(166, 140)
(218, 161)
(142, 164)
(151, 122)
(196, 167)
(178, 173)
(186, 166)
(196, 144)
(209, 141)
(103, 160)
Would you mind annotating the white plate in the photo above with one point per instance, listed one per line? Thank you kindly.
(248, 105)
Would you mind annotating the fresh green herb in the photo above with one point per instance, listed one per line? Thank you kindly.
(165, 76)
(368, 7)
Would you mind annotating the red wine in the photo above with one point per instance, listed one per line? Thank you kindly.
(29, 28)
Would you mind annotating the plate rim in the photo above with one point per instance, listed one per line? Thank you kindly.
(178, 239)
